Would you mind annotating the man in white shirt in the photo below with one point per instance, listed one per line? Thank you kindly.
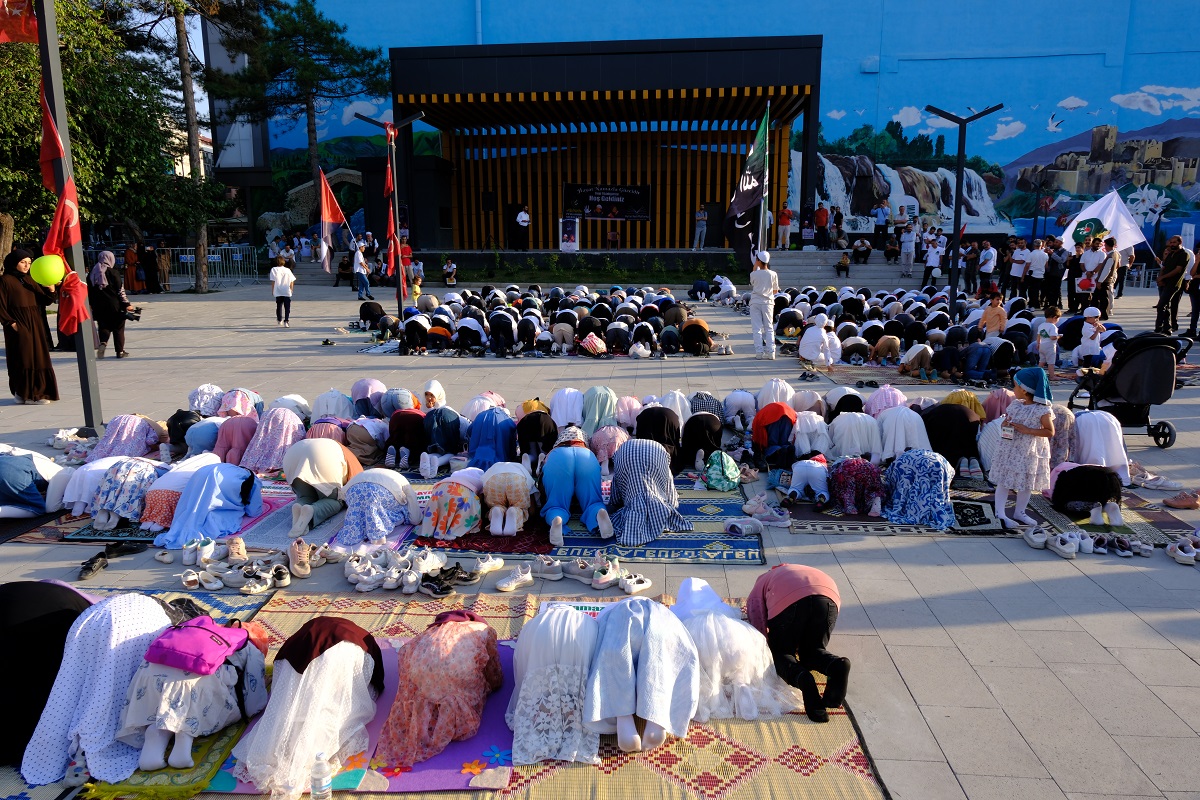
(764, 285)
(361, 272)
(908, 250)
(862, 250)
(942, 241)
(1020, 265)
(282, 280)
(523, 229)
(1038, 259)
(933, 260)
(987, 269)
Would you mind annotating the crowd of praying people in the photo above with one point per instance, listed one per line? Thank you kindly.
(505, 323)
(129, 682)
(494, 469)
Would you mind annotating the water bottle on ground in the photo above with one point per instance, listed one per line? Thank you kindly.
(321, 786)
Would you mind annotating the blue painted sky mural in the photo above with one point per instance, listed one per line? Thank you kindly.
(1097, 94)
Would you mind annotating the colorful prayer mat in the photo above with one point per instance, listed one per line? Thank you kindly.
(1144, 520)
(131, 532)
(209, 753)
(14, 787)
(973, 511)
(708, 512)
(718, 760)
(221, 606)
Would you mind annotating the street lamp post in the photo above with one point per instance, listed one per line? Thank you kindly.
(392, 146)
(960, 172)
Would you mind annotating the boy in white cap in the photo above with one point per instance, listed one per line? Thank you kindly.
(1088, 352)
(764, 285)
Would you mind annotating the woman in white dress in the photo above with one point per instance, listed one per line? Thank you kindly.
(737, 670)
(546, 710)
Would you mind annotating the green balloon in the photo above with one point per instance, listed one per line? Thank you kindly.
(48, 270)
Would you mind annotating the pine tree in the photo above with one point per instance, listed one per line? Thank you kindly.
(298, 63)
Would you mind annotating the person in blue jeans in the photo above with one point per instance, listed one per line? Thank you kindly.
(571, 472)
(362, 273)
(976, 359)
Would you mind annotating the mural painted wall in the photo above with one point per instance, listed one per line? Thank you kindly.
(1097, 94)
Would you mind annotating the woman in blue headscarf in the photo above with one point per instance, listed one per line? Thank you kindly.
(212, 505)
(1022, 462)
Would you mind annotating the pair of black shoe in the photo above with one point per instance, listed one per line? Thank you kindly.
(816, 706)
(99, 562)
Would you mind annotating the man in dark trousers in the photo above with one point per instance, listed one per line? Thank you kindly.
(1170, 282)
(796, 608)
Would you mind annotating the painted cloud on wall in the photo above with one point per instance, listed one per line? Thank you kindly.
(836, 113)
(908, 116)
(1139, 101)
(1007, 130)
(1191, 97)
(940, 122)
(368, 108)
(1072, 103)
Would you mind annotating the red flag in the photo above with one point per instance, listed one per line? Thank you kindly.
(52, 146)
(17, 23)
(64, 230)
(963, 232)
(388, 187)
(331, 216)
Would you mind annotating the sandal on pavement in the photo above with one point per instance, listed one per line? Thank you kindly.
(210, 582)
(191, 579)
(262, 583)
(1123, 548)
(298, 563)
(774, 517)
(1185, 500)
(164, 556)
(1183, 553)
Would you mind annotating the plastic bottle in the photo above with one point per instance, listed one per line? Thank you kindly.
(321, 784)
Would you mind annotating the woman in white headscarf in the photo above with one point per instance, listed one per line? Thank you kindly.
(814, 345)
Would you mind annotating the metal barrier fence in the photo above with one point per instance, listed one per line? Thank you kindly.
(227, 266)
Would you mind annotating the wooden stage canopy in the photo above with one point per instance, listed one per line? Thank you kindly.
(519, 121)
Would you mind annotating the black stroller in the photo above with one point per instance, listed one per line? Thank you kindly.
(1142, 375)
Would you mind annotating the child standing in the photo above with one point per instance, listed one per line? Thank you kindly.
(1022, 461)
(994, 318)
(1088, 353)
(1048, 340)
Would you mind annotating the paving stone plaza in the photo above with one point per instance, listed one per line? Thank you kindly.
(982, 668)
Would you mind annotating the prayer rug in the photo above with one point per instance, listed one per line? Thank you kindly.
(209, 753)
(221, 606)
(54, 530)
(1144, 520)
(13, 528)
(454, 768)
(14, 787)
(718, 760)
(131, 532)
(708, 512)
(973, 511)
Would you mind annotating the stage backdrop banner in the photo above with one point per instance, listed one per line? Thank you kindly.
(591, 201)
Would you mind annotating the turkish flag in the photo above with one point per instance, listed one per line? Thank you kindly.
(388, 186)
(64, 230)
(17, 23)
(52, 146)
(331, 218)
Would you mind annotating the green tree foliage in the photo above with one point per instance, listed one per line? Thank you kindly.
(298, 62)
(120, 124)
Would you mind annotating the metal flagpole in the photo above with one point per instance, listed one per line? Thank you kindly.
(89, 382)
(763, 233)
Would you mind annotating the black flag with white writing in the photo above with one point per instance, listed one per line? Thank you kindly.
(743, 218)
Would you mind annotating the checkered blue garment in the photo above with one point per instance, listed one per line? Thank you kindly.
(643, 494)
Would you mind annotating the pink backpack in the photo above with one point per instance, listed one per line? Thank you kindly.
(198, 645)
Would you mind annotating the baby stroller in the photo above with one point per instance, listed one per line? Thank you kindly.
(1142, 375)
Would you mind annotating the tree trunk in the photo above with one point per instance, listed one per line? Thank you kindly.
(193, 135)
(6, 234)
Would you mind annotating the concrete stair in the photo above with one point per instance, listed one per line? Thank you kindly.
(800, 268)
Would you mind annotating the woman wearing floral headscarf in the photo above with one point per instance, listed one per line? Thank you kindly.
(107, 297)
(30, 373)
(1022, 462)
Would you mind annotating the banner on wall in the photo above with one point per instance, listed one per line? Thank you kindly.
(593, 201)
(568, 233)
